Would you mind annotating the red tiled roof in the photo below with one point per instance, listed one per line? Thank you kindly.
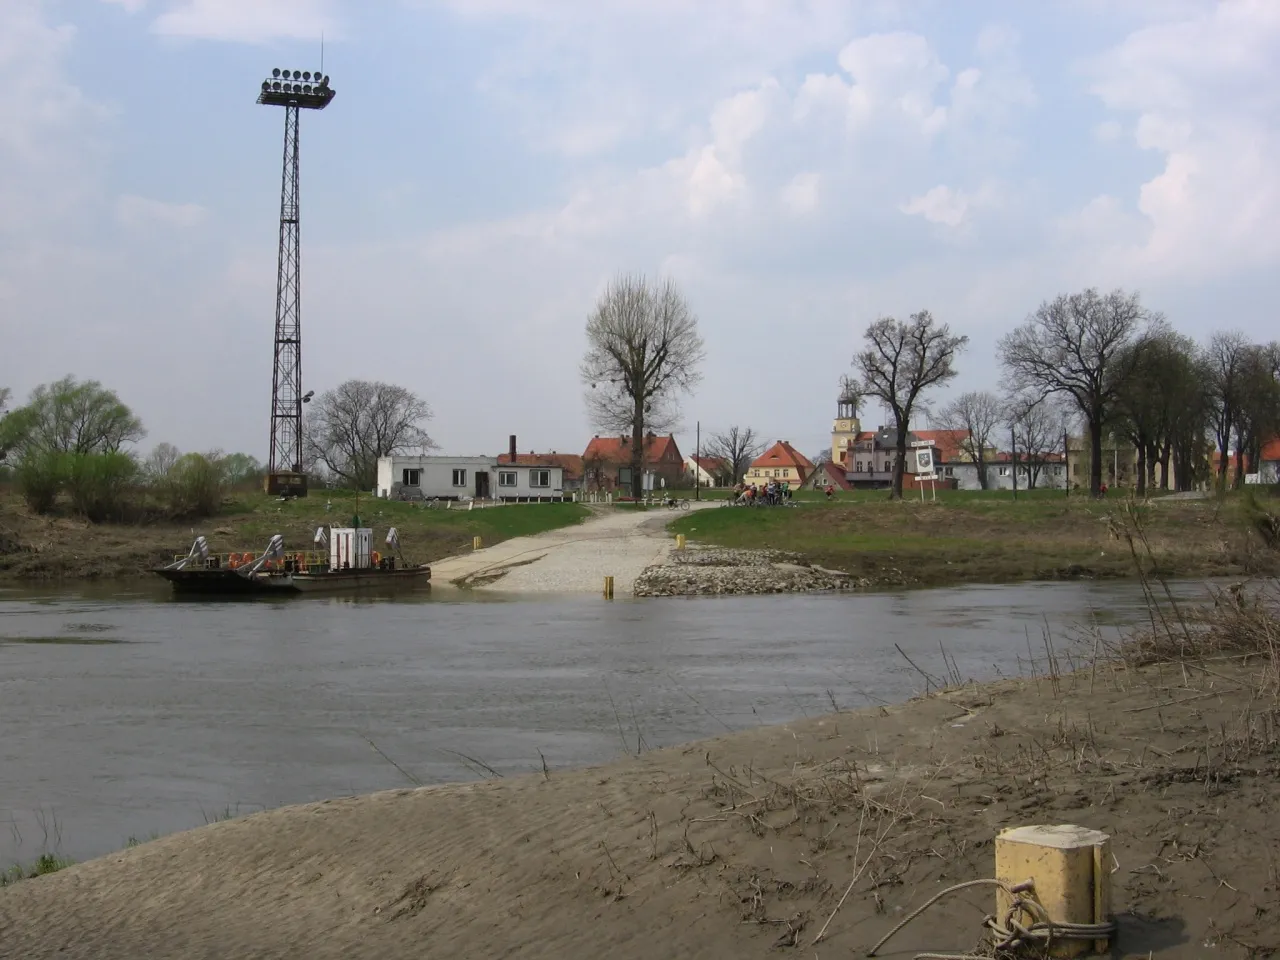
(947, 444)
(1271, 450)
(570, 463)
(618, 449)
(783, 454)
(834, 474)
(711, 464)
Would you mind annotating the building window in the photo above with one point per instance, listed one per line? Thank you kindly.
(858, 466)
(539, 478)
(1057, 471)
(411, 478)
(459, 478)
(506, 478)
(1003, 471)
(948, 471)
(1075, 469)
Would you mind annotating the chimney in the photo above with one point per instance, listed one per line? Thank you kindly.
(513, 447)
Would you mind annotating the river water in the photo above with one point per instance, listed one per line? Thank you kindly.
(126, 713)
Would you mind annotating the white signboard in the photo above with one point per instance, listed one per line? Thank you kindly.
(924, 461)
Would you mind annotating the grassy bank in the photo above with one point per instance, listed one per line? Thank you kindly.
(65, 547)
(989, 538)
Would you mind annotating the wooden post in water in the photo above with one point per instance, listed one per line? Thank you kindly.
(608, 588)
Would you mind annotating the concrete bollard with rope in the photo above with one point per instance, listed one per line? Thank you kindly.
(1053, 896)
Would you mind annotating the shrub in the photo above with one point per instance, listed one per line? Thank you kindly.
(196, 484)
(99, 484)
(40, 474)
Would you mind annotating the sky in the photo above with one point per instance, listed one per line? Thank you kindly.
(798, 167)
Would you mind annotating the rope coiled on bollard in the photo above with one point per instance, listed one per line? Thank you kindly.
(1008, 934)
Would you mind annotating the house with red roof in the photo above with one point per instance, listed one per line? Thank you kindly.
(827, 474)
(782, 463)
(708, 471)
(606, 464)
(569, 463)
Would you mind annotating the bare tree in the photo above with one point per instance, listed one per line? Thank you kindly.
(903, 360)
(1225, 357)
(1074, 345)
(976, 414)
(160, 461)
(1038, 427)
(643, 351)
(1258, 414)
(354, 424)
(737, 447)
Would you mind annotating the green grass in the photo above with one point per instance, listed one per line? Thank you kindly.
(425, 534)
(44, 864)
(981, 537)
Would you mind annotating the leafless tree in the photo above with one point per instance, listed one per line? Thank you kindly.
(1074, 345)
(1038, 428)
(1226, 357)
(354, 424)
(976, 414)
(160, 462)
(643, 352)
(737, 447)
(903, 360)
(1258, 415)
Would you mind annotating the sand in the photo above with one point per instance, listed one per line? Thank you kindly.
(619, 543)
(735, 847)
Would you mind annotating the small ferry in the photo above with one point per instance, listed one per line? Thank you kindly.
(349, 564)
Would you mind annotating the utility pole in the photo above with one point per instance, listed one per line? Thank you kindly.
(697, 464)
(1066, 463)
(1013, 456)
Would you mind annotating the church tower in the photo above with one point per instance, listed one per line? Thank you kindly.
(846, 427)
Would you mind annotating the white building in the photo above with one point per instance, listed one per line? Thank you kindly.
(466, 478)
(1000, 475)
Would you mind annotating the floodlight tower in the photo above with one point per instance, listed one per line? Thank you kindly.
(294, 90)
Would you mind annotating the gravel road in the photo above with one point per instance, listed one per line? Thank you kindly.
(614, 542)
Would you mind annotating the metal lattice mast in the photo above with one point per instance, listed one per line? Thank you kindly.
(286, 377)
(293, 90)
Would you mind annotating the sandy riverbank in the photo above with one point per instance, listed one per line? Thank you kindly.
(738, 846)
(617, 542)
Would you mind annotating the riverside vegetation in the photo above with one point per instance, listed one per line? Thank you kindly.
(988, 537)
(66, 546)
(820, 834)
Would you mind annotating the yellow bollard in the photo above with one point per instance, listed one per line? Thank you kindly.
(679, 541)
(1070, 867)
(476, 543)
(608, 588)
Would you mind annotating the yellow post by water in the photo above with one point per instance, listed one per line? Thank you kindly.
(476, 543)
(1070, 867)
(679, 541)
(608, 588)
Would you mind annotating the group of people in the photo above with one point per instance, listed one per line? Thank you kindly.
(771, 494)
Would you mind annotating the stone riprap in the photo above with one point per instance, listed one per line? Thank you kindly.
(720, 571)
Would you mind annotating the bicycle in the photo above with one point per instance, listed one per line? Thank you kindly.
(674, 504)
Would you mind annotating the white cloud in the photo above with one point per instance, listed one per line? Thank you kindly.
(1203, 93)
(891, 75)
(133, 211)
(249, 21)
(800, 195)
(940, 205)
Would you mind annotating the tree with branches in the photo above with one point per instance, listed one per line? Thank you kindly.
(643, 352)
(352, 425)
(903, 360)
(1225, 358)
(72, 417)
(976, 415)
(1075, 346)
(737, 447)
(1038, 427)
